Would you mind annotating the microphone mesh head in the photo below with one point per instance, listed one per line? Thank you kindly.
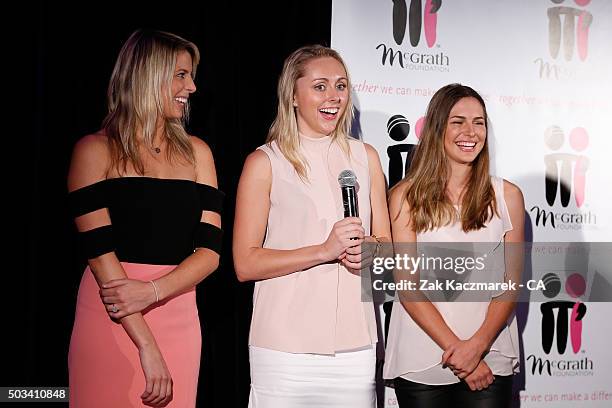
(347, 178)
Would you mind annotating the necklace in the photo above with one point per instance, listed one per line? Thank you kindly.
(157, 149)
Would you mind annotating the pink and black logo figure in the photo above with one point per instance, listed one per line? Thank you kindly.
(398, 129)
(564, 170)
(575, 286)
(572, 32)
(415, 18)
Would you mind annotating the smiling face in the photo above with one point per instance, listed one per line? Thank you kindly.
(320, 97)
(466, 131)
(182, 86)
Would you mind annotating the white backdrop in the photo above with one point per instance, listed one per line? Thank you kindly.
(544, 68)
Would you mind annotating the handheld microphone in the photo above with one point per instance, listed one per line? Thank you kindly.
(348, 180)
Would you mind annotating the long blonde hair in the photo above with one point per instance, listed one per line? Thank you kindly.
(284, 129)
(426, 181)
(144, 67)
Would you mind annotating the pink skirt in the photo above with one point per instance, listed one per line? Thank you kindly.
(103, 362)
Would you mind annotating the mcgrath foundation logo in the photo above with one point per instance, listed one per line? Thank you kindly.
(565, 176)
(418, 17)
(569, 314)
(572, 32)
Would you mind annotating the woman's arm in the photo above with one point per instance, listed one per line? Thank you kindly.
(500, 307)
(90, 160)
(251, 261)
(420, 309)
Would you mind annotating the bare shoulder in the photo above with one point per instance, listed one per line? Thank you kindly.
(95, 144)
(200, 148)
(205, 163)
(256, 177)
(397, 197)
(514, 198)
(370, 149)
(371, 152)
(512, 193)
(258, 163)
(90, 161)
(375, 167)
(400, 214)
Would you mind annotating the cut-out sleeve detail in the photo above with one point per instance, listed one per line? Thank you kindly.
(96, 241)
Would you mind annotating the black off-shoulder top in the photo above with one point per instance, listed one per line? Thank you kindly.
(153, 221)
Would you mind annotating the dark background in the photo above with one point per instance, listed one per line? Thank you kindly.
(70, 51)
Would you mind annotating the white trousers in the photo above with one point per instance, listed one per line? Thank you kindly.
(291, 380)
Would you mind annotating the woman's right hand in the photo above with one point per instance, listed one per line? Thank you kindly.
(480, 378)
(158, 388)
(340, 238)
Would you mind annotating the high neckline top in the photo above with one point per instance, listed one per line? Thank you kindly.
(323, 139)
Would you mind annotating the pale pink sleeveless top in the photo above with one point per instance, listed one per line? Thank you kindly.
(317, 310)
(413, 355)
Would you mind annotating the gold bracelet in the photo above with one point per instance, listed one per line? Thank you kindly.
(378, 244)
(156, 292)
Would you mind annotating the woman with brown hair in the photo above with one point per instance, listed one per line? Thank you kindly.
(464, 354)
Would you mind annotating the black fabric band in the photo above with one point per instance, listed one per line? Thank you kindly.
(211, 198)
(87, 199)
(97, 242)
(209, 236)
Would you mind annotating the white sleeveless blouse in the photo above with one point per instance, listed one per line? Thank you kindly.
(413, 355)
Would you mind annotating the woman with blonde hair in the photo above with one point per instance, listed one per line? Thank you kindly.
(312, 339)
(145, 200)
(442, 354)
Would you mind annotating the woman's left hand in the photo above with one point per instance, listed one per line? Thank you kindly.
(480, 378)
(123, 297)
(463, 356)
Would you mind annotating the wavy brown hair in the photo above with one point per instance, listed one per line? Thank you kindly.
(426, 182)
(146, 64)
(284, 129)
